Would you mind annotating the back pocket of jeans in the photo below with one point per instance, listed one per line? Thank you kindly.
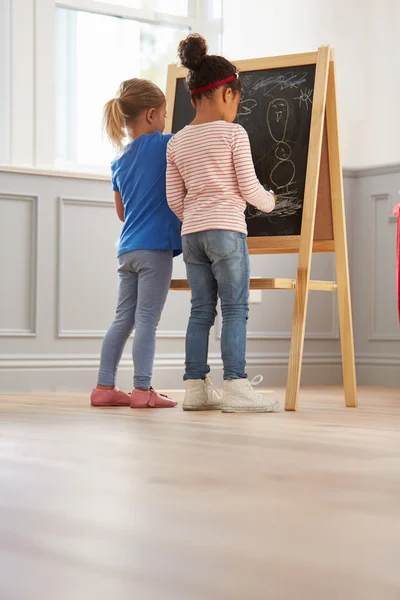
(222, 243)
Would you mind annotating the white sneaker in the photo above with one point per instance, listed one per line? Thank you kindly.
(239, 396)
(201, 395)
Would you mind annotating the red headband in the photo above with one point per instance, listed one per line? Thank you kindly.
(214, 85)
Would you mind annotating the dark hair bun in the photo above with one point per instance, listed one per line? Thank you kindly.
(192, 51)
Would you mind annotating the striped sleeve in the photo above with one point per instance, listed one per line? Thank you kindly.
(249, 186)
(176, 190)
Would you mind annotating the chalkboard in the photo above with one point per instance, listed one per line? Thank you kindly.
(275, 110)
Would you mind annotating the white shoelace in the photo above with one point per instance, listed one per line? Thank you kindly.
(210, 383)
(257, 380)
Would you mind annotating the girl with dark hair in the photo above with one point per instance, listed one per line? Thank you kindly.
(210, 177)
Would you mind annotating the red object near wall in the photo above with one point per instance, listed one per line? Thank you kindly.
(396, 213)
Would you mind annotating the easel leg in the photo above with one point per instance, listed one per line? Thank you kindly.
(297, 342)
(307, 229)
(346, 323)
(339, 228)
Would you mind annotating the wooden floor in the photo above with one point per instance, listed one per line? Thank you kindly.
(166, 505)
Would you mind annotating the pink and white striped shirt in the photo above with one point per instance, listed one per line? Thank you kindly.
(210, 177)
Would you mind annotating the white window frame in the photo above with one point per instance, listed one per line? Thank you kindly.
(125, 12)
(32, 66)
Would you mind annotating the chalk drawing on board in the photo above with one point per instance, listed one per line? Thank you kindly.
(246, 80)
(246, 106)
(270, 110)
(287, 204)
(289, 80)
(283, 173)
(305, 98)
(277, 119)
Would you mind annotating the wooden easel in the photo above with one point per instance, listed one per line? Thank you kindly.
(323, 202)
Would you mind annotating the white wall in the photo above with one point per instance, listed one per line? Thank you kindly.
(373, 276)
(59, 284)
(365, 35)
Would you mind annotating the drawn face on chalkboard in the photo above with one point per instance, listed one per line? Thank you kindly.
(277, 119)
(283, 151)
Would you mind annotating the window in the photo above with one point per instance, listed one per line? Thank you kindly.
(172, 7)
(95, 53)
(68, 58)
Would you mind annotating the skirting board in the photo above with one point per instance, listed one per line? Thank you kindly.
(29, 373)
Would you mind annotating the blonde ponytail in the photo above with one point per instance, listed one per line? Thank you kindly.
(133, 97)
(114, 122)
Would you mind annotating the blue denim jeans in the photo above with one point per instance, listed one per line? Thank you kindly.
(217, 264)
(144, 280)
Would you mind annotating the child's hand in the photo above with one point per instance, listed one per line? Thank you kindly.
(273, 194)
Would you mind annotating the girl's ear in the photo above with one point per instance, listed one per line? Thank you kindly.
(193, 103)
(150, 115)
(227, 94)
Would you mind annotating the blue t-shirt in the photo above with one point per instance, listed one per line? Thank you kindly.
(139, 176)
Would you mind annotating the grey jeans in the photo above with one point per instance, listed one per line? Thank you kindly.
(144, 280)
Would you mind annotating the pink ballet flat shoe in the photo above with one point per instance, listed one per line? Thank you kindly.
(150, 399)
(114, 397)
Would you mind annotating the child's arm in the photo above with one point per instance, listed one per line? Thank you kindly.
(249, 186)
(176, 190)
(119, 206)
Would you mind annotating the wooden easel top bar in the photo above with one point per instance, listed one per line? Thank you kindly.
(276, 62)
(270, 62)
